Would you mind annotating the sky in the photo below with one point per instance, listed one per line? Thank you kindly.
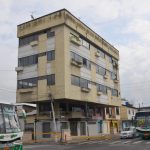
(123, 23)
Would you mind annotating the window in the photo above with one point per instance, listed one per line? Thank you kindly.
(75, 80)
(102, 88)
(102, 54)
(76, 57)
(2, 128)
(29, 127)
(100, 70)
(50, 34)
(34, 37)
(26, 40)
(132, 112)
(85, 43)
(46, 128)
(51, 79)
(109, 58)
(64, 125)
(129, 111)
(44, 107)
(113, 76)
(117, 111)
(114, 92)
(86, 63)
(107, 110)
(50, 55)
(84, 83)
(79, 81)
(10, 119)
(29, 60)
(27, 83)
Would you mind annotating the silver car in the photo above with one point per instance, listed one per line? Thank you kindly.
(128, 132)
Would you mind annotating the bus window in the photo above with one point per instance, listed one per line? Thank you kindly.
(2, 129)
(11, 123)
(8, 109)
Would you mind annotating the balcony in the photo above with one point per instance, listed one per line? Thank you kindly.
(28, 90)
(34, 43)
(70, 114)
(77, 115)
(77, 63)
(75, 40)
(19, 69)
(110, 116)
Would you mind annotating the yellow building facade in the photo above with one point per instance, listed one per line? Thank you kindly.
(59, 55)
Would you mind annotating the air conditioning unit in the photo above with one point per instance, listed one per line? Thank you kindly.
(76, 63)
(97, 54)
(89, 86)
(99, 93)
(105, 76)
(83, 89)
(18, 69)
(34, 43)
(75, 40)
(116, 81)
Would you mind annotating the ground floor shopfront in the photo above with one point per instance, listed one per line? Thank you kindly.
(76, 119)
(75, 127)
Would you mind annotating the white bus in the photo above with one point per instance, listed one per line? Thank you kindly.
(10, 132)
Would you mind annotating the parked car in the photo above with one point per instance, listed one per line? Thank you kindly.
(128, 132)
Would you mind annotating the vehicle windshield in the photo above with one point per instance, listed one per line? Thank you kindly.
(126, 129)
(143, 121)
(8, 119)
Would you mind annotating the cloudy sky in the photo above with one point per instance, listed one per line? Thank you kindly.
(124, 23)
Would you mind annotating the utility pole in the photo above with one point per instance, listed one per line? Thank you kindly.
(53, 113)
(87, 114)
(139, 107)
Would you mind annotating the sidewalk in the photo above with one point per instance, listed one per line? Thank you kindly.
(81, 139)
(76, 140)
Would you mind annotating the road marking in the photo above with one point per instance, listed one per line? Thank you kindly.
(83, 143)
(137, 142)
(147, 142)
(126, 142)
(34, 146)
(115, 142)
(92, 142)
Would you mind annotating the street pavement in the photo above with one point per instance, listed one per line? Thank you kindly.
(124, 144)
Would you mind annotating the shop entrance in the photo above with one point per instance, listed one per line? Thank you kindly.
(73, 128)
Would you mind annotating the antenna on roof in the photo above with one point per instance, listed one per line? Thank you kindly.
(32, 16)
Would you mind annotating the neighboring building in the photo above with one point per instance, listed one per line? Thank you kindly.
(59, 55)
(144, 108)
(27, 123)
(127, 114)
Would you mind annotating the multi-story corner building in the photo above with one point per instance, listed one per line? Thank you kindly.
(60, 56)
